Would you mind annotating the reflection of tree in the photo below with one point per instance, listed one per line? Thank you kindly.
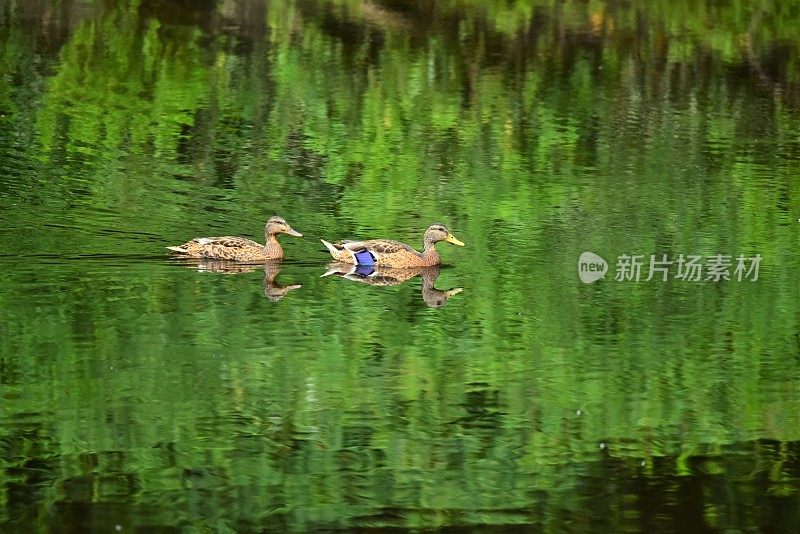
(543, 123)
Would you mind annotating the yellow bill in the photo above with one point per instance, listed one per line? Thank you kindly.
(452, 239)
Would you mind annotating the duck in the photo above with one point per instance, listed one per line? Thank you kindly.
(236, 248)
(388, 276)
(388, 253)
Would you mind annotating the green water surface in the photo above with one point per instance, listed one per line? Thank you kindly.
(144, 393)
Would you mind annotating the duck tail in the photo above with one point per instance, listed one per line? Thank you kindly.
(177, 249)
(332, 249)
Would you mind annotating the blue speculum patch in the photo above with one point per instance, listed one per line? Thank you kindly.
(364, 270)
(364, 257)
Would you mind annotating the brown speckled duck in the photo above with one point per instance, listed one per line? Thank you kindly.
(387, 253)
(388, 276)
(236, 248)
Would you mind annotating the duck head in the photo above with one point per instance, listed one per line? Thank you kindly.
(439, 232)
(277, 225)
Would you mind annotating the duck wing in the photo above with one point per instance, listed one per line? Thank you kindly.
(368, 252)
(377, 246)
(227, 241)
(225, 247)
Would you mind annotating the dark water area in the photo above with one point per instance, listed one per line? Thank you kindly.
(502, 392)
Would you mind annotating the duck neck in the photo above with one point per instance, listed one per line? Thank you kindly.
(272, 248)
(429, 254)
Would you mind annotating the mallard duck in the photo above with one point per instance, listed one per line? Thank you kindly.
(388, 276)
(387, 253)
(238, 248)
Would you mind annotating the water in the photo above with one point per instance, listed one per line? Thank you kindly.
(144, 392)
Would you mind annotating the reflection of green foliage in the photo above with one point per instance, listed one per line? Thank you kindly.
(536, 130)
(117, 104)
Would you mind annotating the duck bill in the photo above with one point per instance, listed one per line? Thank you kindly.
(452, 239)
(293, 232)
(455, 291)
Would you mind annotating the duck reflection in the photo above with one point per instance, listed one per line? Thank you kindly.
(272, 290)
(387, 276)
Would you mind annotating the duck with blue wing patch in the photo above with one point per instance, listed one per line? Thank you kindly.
(388, 253)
